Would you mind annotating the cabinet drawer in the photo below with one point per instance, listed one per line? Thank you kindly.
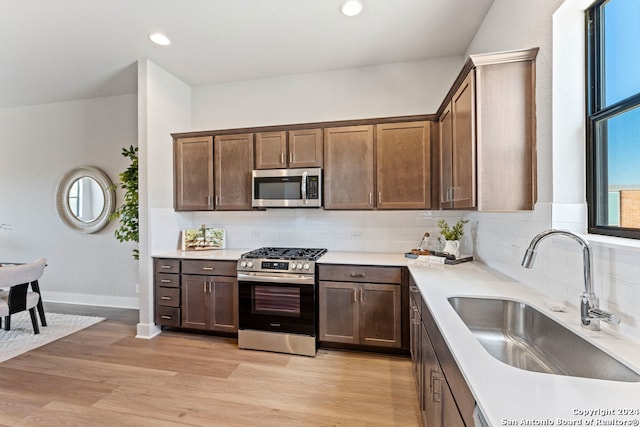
(210, 268)
(166, 265)
(360, 273)
(168, 316)
(169, 297)
(167, 280)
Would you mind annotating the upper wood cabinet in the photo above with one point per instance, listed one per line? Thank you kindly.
(349, 168)
(491, 129)
(233, 158)
(403, 165)
(293, 149)
(193, 174)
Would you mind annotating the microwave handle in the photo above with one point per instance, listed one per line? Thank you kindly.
(303, 187)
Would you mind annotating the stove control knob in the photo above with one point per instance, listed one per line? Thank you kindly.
(306, 266)
(250, 264)
(299, 266)
(243, 264)
(293, 265)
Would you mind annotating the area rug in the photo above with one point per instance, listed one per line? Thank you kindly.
(21, 338)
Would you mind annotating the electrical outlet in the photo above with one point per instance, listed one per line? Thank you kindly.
(357, 235)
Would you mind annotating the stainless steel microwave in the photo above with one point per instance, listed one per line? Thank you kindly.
(287, 188)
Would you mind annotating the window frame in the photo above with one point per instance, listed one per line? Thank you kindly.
(596, 113)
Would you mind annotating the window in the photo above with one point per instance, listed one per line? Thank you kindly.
(613, 116)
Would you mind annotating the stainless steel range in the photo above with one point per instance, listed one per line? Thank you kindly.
(278, 300)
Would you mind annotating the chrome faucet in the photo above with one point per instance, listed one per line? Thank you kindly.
(590, 314)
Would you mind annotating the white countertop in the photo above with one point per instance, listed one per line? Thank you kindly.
(506, 394)
(217, 254)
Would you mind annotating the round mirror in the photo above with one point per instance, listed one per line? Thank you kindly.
(85, 199)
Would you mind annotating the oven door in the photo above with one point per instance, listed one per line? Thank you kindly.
(269, 302)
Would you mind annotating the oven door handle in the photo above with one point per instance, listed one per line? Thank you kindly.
(301, 279)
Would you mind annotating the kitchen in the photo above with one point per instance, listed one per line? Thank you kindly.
(167, 105)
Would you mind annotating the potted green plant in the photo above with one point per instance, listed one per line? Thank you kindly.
(452, 235)
(127, 213)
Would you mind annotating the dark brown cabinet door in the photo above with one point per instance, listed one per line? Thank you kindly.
(446, 158)
(403, 165)
(233, 157)
(464, 144)
(223, 299)
(271, 150)
(193, 174)
(194, 302)
(305, 148)
(339, 315)
(380, 315)
(210, 303)
(348, 167)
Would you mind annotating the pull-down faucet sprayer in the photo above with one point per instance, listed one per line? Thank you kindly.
(590, 314)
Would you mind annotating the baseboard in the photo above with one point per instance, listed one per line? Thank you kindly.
(89, 299)
(147, 330)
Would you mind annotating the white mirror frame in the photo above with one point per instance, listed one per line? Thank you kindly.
(62, 197)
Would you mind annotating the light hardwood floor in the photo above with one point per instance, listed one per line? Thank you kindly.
(104, 376)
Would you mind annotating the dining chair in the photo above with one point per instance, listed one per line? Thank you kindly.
(19, 298)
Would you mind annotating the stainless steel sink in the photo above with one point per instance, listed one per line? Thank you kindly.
(521, 336)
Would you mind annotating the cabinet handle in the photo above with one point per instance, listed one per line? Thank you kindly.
(355, 295)
(210, 285)
(166, 266)
(437, 395)
(282, 158)
(357, 274)
(166, 317)
(217, 200)
(209, 200)
(370, 199)
(208, 268)
(361, 296)
(291, 157)
(166, 298)
(379, 199)
(166, 280)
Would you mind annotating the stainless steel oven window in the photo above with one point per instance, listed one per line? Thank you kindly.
(276, 300)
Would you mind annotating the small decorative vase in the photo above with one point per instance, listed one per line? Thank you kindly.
(452, 247)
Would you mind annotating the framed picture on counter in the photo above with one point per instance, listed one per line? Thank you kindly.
(202, 239)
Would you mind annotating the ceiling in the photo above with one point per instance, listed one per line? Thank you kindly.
(61, 50)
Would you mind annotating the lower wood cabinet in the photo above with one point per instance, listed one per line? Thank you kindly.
(436, 373)
(356, 310)
(196, 294)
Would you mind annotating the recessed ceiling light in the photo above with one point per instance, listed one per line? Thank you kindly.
(351, 8)
(160, 39)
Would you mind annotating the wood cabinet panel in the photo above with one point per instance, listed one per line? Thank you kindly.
(233, 158)
(348, 167)
(168, 297)
(193, 173)
(167, 316)
(210, 268)
(271, 150)
(339, 316)
(360, 273)
(167, 280)
(506, 153)
(380, 315)
(403, 165)
(224, 304)
(305, 148)
(464, 145)
(166, 265)
(446, 158)
(194, 304)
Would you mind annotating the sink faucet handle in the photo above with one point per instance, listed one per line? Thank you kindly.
(596, 313)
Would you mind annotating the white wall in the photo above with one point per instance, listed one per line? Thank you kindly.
(39, 144)
(500, 239)
(386, 90)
